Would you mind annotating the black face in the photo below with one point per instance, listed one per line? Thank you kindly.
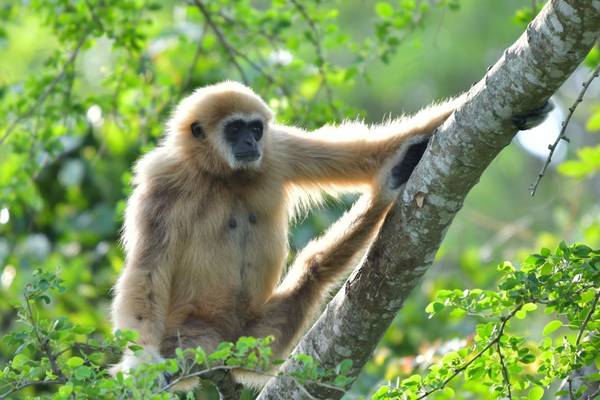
(243, 137)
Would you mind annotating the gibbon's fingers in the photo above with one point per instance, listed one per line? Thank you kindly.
(534, 117)
(404, 169)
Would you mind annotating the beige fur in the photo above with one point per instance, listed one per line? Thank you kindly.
(190, 276)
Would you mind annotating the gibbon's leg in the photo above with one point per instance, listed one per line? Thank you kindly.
(191, 334)
(324, 260)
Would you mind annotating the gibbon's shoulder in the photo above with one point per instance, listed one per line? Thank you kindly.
(160, 162)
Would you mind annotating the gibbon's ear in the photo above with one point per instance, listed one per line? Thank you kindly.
(197, 130)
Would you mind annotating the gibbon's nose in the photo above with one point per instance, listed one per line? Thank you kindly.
(247, 149)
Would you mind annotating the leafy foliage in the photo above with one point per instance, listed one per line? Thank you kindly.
(85, 87)
(563, 283)
(72, 361)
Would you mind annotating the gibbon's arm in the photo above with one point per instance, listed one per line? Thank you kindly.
(353, 152)
(142, 292)
(323, 261)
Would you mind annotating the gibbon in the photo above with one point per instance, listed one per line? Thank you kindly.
(206, 227)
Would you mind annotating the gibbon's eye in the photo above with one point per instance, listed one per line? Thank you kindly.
(235, 126)
(197, 129)
(257, 129)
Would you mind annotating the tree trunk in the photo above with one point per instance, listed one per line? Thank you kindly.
(527, 74)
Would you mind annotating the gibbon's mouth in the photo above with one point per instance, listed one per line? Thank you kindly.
(248, 156)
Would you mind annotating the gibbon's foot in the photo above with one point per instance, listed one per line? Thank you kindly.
(402, 171)
(534, 117)
(130, 362)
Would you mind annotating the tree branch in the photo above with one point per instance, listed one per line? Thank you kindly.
(526, 75)
(562, 135)
(574, 381)
(229, 49)
(49, 89)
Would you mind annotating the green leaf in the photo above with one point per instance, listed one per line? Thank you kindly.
(341, 381)
(19, 361)
(74, 362)
(434, 307)
(593, 57)
(84, 330)
(343, 367)
(413, 380)
(199, 355)
(588, 295)
(384, 9)
(66, 390)
(575, 169)
(582, 250)
(593, 122)
(552, 326)
(527, 358)
(536, 393)
(82, 372)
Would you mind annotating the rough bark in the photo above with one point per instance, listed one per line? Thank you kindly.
(527, 74)
(576, 381)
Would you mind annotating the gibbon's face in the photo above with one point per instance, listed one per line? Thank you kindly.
(244, 137)
(223, 128)
(237, 139)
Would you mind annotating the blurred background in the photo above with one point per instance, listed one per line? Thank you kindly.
(85, 88)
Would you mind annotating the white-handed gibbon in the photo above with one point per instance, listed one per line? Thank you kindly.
(206, 227)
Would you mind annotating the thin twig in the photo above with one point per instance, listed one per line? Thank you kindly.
(259, 372)
(273, 39)
(194, 375)
(593, 395)
(190, 72)
(570, 382)
(258, 68)
(28, 384)
(49, 89)
(316, 40)
(505, 375)
(43, 342)
(463, 367)
(229, 49)
(587, 318)
(235, 53)
(562, 135)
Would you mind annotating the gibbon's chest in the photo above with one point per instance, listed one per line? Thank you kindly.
(234, 249)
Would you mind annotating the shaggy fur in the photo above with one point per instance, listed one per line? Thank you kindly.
(206, 236)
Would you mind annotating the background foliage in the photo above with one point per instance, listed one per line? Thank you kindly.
(85, 87)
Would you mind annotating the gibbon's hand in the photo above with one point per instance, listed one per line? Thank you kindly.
(402, 171)
(534, 117)
(131, 361)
